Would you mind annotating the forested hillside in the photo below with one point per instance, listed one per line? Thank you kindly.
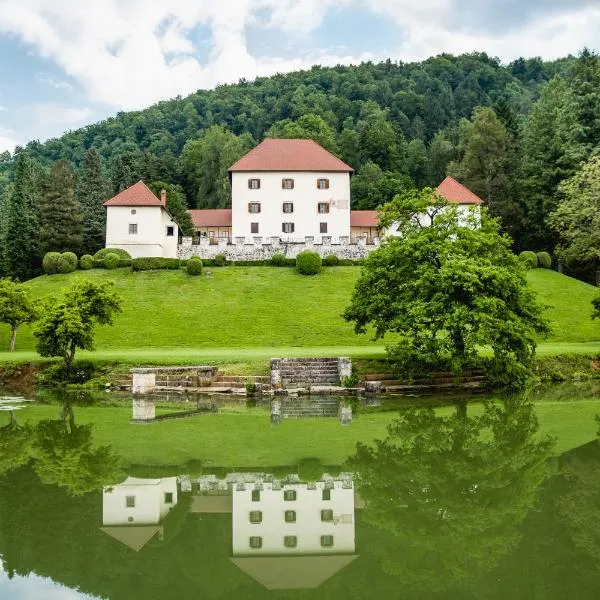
(512, 133)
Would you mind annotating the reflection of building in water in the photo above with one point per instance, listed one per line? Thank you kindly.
(286, 534)
(133, 510)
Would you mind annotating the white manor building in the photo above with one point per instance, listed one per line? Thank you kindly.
(287, 195)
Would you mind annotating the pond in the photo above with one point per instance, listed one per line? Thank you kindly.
(106, 496)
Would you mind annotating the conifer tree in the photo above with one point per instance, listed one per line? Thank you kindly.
(61, 219)
(92, 191)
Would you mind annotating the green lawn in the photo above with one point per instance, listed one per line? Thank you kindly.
(254, 313)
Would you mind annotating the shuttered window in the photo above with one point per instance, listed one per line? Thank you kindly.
(254, 184)
(287, 184)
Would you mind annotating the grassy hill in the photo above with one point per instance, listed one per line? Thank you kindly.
(257, 312)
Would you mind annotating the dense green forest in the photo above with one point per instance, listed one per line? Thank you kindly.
(516, 134)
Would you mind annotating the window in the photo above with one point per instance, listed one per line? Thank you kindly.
(254, 184)
(253, 227)
(255, 516)
(255, 495)
(287, 227)
(211, 234)
(287, 184)
(132, 228)
(168, 498)
(323, 227)
(255, 542)
(326, 541)
(322, 184)
(170, 231)
(289, 495)
(290, 541)
(288, 207)
(290, 516)
(326, 494)
(327, 515)
(254, 207)
(130, 501)
(323, 208)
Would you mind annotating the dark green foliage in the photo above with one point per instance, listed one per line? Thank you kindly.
(155, 264)
(544, 260)
(56, 374)
(61, 217)
(220, 260)
(308, 263)
(278, 260)
(310, 469)
(50, 262)
(118, 251)
(331, 260)
(67, 263)
(194, 266)
(309, 126)
(176, 205)
(529, 259)
(86, 262)
(111, 260)
(596, 307)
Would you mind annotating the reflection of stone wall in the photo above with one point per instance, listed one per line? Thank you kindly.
(259, 248)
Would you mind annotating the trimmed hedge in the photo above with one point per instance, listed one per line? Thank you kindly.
(50, 262)
(155, 264)
(529, 259)
(86, 262)
(67, 263)
(331, 260)
(194, 266)
(308, 263)
(111, 260)
(279, 260)
(220, 260)
(118, 251)
(544, 260)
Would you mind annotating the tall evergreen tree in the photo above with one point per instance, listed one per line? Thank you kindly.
(92, 190)
(586, 88)
(22, 256)
(61, 218)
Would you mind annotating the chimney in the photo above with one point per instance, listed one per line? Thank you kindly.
(163, 197)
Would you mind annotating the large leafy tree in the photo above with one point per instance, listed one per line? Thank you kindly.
(448, 284)
(93, 189)
(16, 307)
(310, 127)
(176, 204)
(68, 323)
(61, 217)
(371, 187)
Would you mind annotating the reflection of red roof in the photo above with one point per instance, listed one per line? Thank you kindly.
(211, 217)
(275, 154)
(139, 194)
(364, 218)
(455, 192)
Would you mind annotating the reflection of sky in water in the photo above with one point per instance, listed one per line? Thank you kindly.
(33, 587)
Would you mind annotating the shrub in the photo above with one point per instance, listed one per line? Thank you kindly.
(544, 260)
(308, 263)
(118, 251)
(125, 262)
(220, 260)
(331, 260)
(529, 259)
(86, 262)
(194, 266)
(67, 262)
(278, 260)
(57, 374)
(110, 260)
(155, 264)
(250, 388)
(50, 262)
(310, 469)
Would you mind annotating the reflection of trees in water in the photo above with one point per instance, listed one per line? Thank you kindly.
(450, 491)
(61, 452)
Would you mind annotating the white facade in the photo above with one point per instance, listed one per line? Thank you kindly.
(143, 231)
(305, 197)
(138, 501)
(308, 527)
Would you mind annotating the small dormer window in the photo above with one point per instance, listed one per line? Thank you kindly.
(254, 184)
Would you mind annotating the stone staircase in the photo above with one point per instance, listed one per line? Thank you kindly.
(235, 382)
(304, 372)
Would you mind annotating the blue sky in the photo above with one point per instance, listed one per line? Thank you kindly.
(68, 63)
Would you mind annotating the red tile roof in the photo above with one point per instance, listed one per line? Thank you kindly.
(139, 194)
(211, 217)
(364, 218)
(457, 193)
(274, 154)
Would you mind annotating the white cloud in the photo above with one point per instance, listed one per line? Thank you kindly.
(55, 114)
(57, 84)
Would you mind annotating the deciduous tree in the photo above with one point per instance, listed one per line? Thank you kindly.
(16, 307)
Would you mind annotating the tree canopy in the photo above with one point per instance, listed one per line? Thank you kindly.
(16, 307)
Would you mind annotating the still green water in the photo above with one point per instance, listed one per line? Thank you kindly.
(458, 503)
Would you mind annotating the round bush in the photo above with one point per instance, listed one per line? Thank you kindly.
(278, 260)
(194, 266)
(86, 262)
(50, 262)
(331, 260)
(310, 469)
(118, 251)
(529, 258)
(111, 260)
(544, 260)
(220, 260)
(308, 263)
(67, 262)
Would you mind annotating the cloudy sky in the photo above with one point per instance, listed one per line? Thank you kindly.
(67, 63)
